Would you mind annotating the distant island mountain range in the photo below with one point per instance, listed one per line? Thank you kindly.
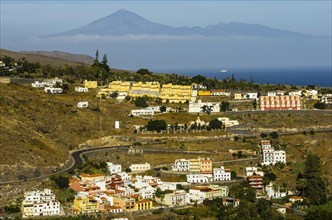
(124, 22)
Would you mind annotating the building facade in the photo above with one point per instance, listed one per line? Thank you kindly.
(196, 107)
(181, 165)
(90, 84)
(40, 203)
(280, 103)
(221, 174)
(140, 167)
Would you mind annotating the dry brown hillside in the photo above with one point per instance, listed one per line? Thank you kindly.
(45, 58)
(76, 58)
(38, 129)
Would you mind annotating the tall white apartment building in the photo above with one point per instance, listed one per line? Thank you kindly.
(270, 156)
(40, 203)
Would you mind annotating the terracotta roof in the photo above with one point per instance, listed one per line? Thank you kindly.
(135, 196)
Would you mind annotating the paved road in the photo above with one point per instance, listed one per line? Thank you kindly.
(77, 161)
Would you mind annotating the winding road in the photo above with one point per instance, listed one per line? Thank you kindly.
(77, 161)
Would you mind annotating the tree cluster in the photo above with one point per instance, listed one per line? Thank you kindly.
(156, 125)
(311, 183)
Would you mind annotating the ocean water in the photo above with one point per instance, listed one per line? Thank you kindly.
(320, 76)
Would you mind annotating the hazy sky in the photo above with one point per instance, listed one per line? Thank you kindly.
(34, 18)
(23, 22)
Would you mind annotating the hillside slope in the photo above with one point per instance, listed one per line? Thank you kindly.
(54, 59)
(38, 129)
(69, 57)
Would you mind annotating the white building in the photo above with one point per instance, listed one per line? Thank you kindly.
(53, 82)
(271, 94)
(147, 192)
(140, 167)
(198, 86)
(137, 112)
(327, 99)
(81, 89)
(181, 165)
(296, 93)
(47, 83)
(311, 92)
(83, 104)
(274, 192)
(114, 168)
(126, 178)
(170, 185)
(53, 90)
(196, 107)
(122, 95)
(40, 203)
(251, 95)
(280, 156)
(281, 92)
(38, 84)
(200, 193)
(199, 178)
(228, 123)
(176, 198)
(221, 174)
(250, 171)
(220, 93)
(270, 156)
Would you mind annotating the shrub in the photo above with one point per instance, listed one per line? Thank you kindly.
(141, 102)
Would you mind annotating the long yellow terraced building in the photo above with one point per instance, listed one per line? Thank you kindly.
(168, 92)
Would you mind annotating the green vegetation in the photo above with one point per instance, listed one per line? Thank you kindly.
(215, 124)
(312, 183)
(62, 182)
(141, 102)
(156, 125)
(320, 212)
(207, 109)
(12, 208)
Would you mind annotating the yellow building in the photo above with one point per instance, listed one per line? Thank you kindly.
(90, 84)
(143, 205)
(237, 96)
(119, 86)
(175, 93)
(195, 165)
(124, 203)
(85, 204)
(150, 89)
(206, 165)
(104, 91)
(92, 177)
(204, 93)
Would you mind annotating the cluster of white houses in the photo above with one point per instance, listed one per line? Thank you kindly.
(121, 191)
(40, 203)
(49, 85)
(270, 156)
